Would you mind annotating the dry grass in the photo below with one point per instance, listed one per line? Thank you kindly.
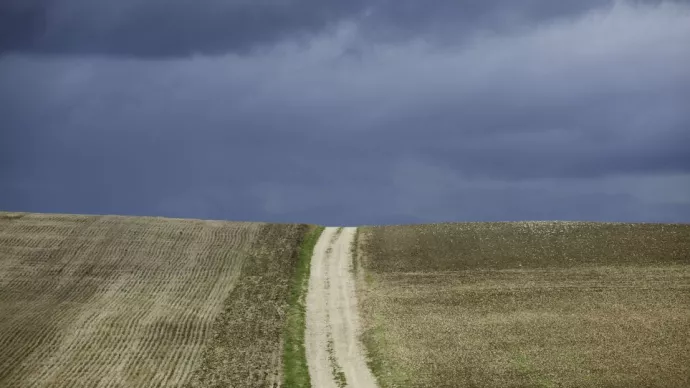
(247, 345)
(295, 368)
(527, 304)
(126, 301)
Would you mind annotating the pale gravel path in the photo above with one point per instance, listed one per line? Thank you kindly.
(332, 315)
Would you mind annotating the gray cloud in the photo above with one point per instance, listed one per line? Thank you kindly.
(572, 119)
(153, 28)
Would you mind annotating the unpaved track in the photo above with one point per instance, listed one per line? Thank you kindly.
(334, 354)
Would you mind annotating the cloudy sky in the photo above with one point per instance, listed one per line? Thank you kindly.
(347, 112)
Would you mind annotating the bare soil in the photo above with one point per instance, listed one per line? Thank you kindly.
(136, 302)
(537, 304)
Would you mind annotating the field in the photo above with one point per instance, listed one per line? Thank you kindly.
(96, 301)
(534, 304)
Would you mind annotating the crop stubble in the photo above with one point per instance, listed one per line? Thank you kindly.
(540, 304)
(135, 301)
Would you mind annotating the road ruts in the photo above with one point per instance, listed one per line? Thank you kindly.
(334, 354)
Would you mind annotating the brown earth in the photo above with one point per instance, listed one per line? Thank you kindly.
(137, 302)
(535, 304)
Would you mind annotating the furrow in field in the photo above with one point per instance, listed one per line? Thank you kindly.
(80, 341)
(33, 340)
(195, 268)
(131, 302)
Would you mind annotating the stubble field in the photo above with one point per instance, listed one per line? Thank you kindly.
(535, 304)
(107, 301)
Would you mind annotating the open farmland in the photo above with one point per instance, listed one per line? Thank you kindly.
(90, 301)
(532, 304)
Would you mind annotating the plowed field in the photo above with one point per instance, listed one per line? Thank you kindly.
(148, 302)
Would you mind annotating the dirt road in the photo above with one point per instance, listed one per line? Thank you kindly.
(334, 353)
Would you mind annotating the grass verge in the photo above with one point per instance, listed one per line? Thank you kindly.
(295, 369)
(354, 251)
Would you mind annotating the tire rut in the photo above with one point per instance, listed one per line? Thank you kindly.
(334, 354)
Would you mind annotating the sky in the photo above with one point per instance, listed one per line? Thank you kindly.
(347, 112)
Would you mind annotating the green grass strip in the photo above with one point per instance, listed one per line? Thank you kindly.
(354, 251)
(295, 369)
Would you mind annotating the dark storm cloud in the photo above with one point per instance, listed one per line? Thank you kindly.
(153, 28)
(581, 118)
(160, 27)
